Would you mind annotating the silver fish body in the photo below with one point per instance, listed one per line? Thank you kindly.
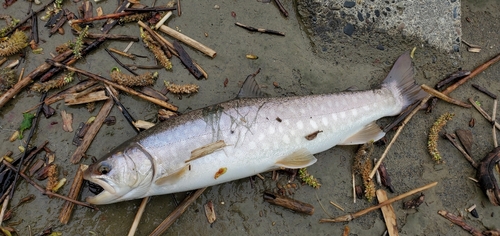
(244, 137)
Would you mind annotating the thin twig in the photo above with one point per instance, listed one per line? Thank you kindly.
(118, 86)
(282, 9)
(473, 73)
(493, 118)
(176, 213)
(120, 63)
(138, 216)
(32, 132)
(483, 113)
(352, 216)
(4, 207)
(460, 222)
(484, 90)
(444, 97)
(405, 121)
(28, 17)
(179, 12)
(466, 155)
(103, 17)
(113, 94)
(45, 192)
(253, 29)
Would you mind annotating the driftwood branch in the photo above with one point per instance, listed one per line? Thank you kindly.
(74, 191)
(92, 131)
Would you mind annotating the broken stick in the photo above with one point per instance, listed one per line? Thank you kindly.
(389, 214)
(289, 203)
(189, 41)
(176, 213)
(73, 194)
(444, 97)
(352, 216)
(120, 87)
(266, 31)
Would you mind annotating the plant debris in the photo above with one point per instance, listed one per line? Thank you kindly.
(363, 166)
(26, 123)
(13, 44)
(434, 135)
(414, 203)
(181, 89)
(308, 178)
(146, 79)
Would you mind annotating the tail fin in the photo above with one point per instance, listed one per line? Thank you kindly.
(401, 81)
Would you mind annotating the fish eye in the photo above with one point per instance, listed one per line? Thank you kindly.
(104, 168)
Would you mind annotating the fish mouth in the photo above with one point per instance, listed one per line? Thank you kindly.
(109, 193)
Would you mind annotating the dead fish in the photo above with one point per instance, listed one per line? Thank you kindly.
(243, 138)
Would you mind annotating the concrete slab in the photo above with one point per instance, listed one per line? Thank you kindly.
(434, 22)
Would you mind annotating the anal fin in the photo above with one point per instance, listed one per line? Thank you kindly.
(371, 132)
(298, 159)
(171, 178)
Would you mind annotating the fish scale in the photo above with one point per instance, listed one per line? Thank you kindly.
(244, 137)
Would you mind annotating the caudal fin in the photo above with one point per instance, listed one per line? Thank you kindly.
(401, 81)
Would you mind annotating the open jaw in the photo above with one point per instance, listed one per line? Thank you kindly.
(108, 195)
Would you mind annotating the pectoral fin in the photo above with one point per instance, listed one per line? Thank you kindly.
(171, 178)
(298, 159)
(371, 132)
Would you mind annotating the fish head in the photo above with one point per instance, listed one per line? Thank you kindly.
(124, 175)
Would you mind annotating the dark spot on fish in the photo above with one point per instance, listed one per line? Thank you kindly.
(313, 135)
(278, 119)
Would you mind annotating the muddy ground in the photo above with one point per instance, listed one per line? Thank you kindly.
(308, 60)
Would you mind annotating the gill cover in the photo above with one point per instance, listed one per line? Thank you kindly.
(123, 175)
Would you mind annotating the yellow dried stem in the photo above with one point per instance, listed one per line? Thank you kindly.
(156, 49)
(181, 89)
(145, 79)
(52, 178)
(434, 135)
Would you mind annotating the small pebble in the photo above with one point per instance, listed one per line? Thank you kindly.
(349, 29)
(360, 16)
(349, 4)
(380, 47)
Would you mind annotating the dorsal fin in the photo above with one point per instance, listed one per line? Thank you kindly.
(371, 132)
(298, 159)
(250, 88)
